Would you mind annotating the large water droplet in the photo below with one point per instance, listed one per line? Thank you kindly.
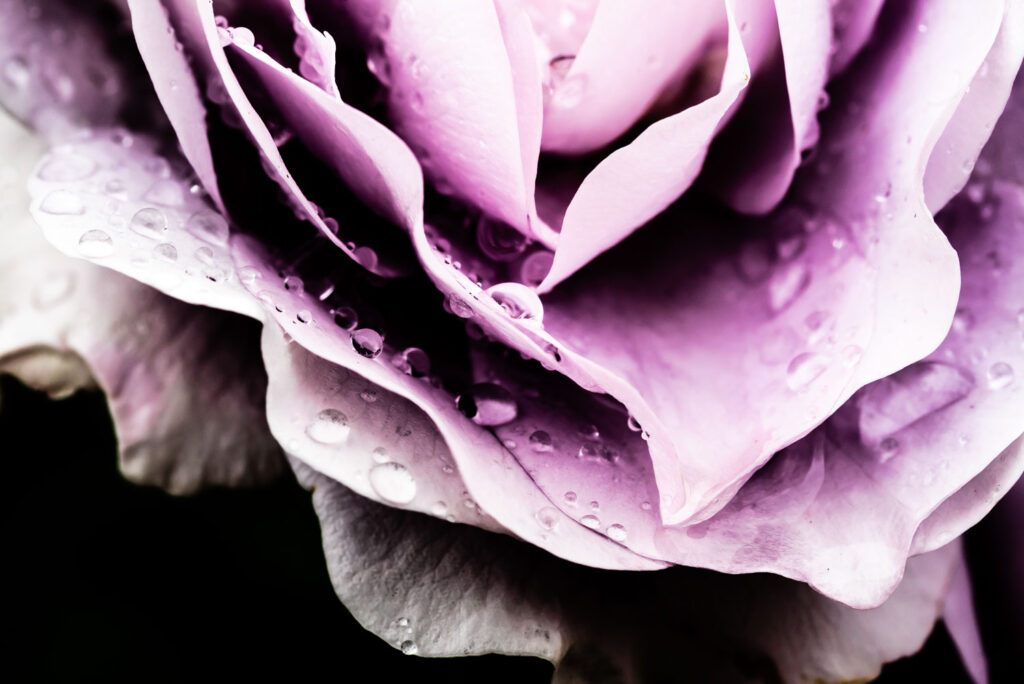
(488, 404)
(368, 343)
(498, 240)
(591, 521)
(518, 301)
(329, 427)
(345, 317)
(999, 375)
(805, 369)
(165, 251)
(540, 441)
(896, 402)
(62, 203)
(208, 226)
(95, 244)
(149, 223)
(393, 482)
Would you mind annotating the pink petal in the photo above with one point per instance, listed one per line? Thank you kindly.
(962, 624)
(853, 21)
(624, 64)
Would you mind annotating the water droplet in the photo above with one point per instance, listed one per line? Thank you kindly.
(487, 404)
(888, 448)
(345, 317)
(535, 267)
(329, 427)
(616, 532)
(754, 261)
(369, 396)
(1000, 375)
(498, 240)
(304, 316)
(895, 402)
(62, 203)
(963, 320)
(458, 307)
(368, 343)
(16, 71)
(149, 223)
(591, 521)
(851, 355)
(53, 289)
(805, 369)
(645, 505)
(413, 361)
(293, 283)
(571, 498)
(548, 517)
(166, 192)
(540, 441)
(380, 455)
(165, 251)
(518, 301)
(590, 432)
(409, 647)
(95, 244)
(393, 482)
(633, 424)
(209, 227)
(366, 257)
(786, 284)
(439, 509)
(66, 167)
(569, 92)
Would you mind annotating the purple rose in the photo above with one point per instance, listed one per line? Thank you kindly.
(725, 285)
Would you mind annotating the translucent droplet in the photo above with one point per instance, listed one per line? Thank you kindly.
(896, 402)
(439, 509)
(754, 261)
(304, 316)
(413, 361)
(165, 251)
(590, 431)
(458, 307)
(591, 521)
(166, 192)
(345, 317)
(645, 505)
(369, 396)
(571, 498)
(62, 203)
(366, 257)
(547, 517)
(999, 375)
(409, 647)
(786, 284)
(368, 343)
(540, 441)
(149, 223)
(52, 290)
(329, 427)
(805, 369)
(16, 71)
(65, 167)
(616, 532)
(95, 244)
(518, 301)
(535, 267)
(293, 283)
(209, 227)
(888, 448)
(633, 424)
(963, 320)
(569, 92)
(393, 482)
(498, 240)
(487, 404)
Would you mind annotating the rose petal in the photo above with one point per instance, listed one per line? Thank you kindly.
(958, 614)
(625, 62)
(852, 23)
(477, 593)
(851, 263)
(59, 64)
(961, 142)
(493, 478)
(184, 383)
(640, 179)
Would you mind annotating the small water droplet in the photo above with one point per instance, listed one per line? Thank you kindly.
(380, 455)
(571, 498)
(62, 203)
(366, 257)
(367, 342)
(345, 317)
(591, 521)
(329, 427)
(149, 223)
(393, 482)
(459, 307)
(645, 505)
(165, 251)
(540, 441)
(439, 509)
(963, 320)
(1000, 375)
(547, 517)
(633, 424)
(304, 316)
(16, 71)
(64, 167)
(166, 192)
(569, 92)
(616, 532)
(487, 404)
(52, 290)
(413, 361)
(805, 369)
(888, 448)
(409, 647)
(369, 396)
(786, 284)
(95, 244)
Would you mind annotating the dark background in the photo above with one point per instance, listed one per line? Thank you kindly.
(107, 581)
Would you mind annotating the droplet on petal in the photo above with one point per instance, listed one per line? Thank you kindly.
(487, 404)
(149, 223)
(329, 427)
(518, 301)
(367, 343)
(540, 441)
(62, 203)
(805, 369)
(1000, 375)
(95, 244)
(393, 482)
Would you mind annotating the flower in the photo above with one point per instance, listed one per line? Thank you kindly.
(642, 289)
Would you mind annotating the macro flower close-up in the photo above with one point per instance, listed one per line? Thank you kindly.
(664, 341)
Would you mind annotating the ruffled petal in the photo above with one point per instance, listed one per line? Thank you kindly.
(474, 593)
(184, 384)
